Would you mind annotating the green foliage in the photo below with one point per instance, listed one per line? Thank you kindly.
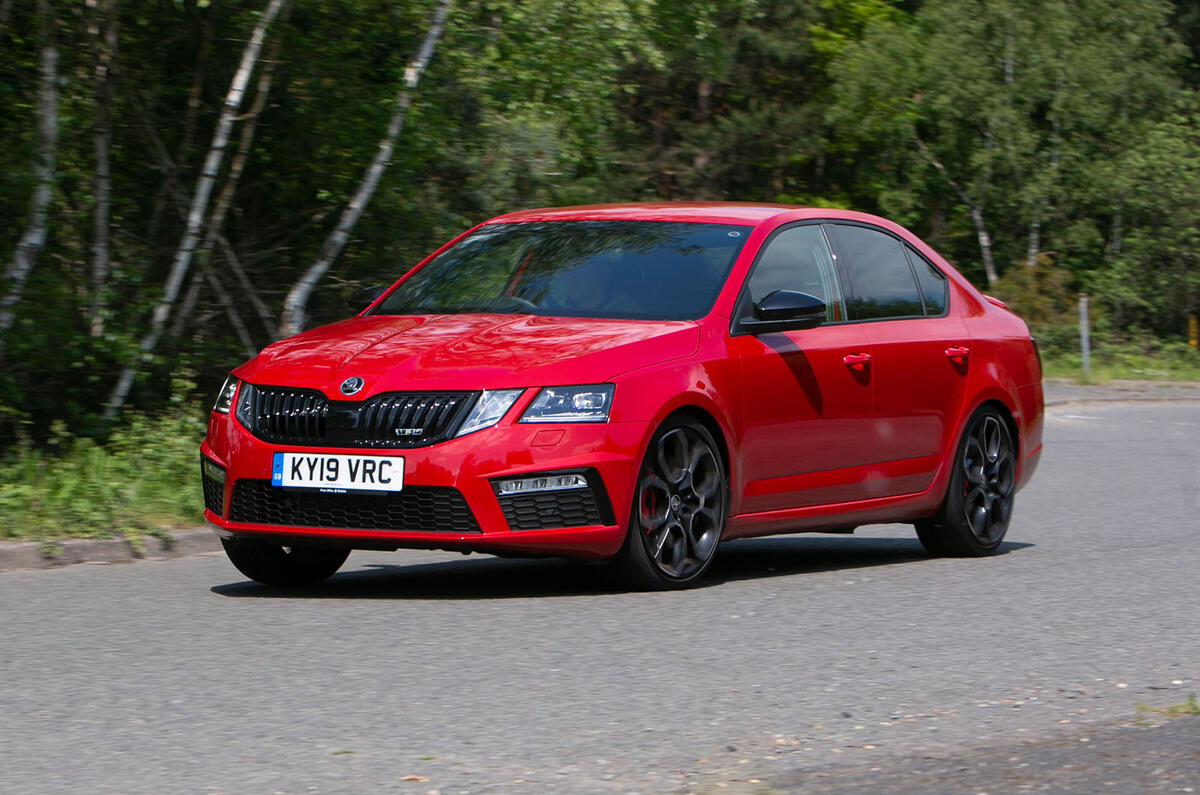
(145, 477)
(1017, 107)
(1041, 295)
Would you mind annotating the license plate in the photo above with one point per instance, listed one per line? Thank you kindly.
(337, 473)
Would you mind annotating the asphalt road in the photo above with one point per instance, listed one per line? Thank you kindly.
(807, 663)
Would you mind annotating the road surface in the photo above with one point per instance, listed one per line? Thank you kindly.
(805, 663)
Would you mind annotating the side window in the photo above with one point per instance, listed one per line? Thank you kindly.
(881, 283)
(797, 259)
(931, 280)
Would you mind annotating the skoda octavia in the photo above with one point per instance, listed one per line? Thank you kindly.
(633, 383)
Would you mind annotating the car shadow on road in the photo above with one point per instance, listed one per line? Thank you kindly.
(497, 578)
(756, 558)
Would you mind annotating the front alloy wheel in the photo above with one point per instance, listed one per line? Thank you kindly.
(678, 509)
(974, 515)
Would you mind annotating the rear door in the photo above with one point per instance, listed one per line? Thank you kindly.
(807, 402)
(920, 351)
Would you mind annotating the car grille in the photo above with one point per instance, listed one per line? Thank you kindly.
(424, 509)
(281, 415)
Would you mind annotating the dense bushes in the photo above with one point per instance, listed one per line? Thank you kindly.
(143, 477)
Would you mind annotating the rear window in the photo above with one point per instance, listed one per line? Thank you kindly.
(931, 281)
(881, 282)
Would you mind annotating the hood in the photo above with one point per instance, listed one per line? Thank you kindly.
(467, 352)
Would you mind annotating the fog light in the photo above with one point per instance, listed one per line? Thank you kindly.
(542, 483)
(213, 471)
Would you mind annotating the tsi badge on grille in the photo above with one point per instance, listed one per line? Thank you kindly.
(351, 385)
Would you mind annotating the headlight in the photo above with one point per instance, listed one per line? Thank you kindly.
(245, 406)
(490, 407)
(225, 396)
(571, 404)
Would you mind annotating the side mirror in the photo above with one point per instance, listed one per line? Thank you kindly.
(785, 310)
(360, 300)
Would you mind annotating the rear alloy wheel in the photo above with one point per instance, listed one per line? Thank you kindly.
(678, 510)
(974, 515)
(283, 566)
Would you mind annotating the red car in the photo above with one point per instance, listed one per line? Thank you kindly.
(633, 383)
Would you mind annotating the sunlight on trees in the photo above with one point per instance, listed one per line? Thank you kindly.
(172, 172)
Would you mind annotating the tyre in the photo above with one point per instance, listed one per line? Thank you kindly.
(679, 508)
(283, 567)
(974, 515)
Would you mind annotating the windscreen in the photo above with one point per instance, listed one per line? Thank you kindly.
(650, 270)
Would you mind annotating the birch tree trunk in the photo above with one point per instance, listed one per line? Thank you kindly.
(985, 244)
(188, 303)
(976, 210)
(295, 304)
(199, 207)
(34, 238)
(225, 196)
(106, 53)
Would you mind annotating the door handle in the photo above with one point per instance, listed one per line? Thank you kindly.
(958, 353)
(857, 361)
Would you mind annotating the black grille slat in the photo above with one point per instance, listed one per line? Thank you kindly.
(550, 509)
(301, 417)
(419, 413)
(405, 410)
(425, 509)
(393, 407)
(444, 414)
(368, 413)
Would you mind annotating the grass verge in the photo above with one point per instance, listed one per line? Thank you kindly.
(143, 479)
(1161, 361)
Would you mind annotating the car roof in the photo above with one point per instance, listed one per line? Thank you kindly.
(701, 212)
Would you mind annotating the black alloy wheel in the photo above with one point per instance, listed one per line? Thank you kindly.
(974, 515)
(679, 508)
(284, 566)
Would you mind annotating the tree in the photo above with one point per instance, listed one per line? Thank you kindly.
(103, 32)
(995, 103)
(34, 239)
(199, 205)
(297, 298)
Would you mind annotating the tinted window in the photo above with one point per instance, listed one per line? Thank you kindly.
(881, 283)
(605, 269)
(797, 259)
(932, 283)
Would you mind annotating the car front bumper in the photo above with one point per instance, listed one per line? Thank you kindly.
(427, 512)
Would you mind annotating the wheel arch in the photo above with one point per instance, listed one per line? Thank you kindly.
(1006, 414)
(1004, 410)
(710, 423)
(990, 399)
